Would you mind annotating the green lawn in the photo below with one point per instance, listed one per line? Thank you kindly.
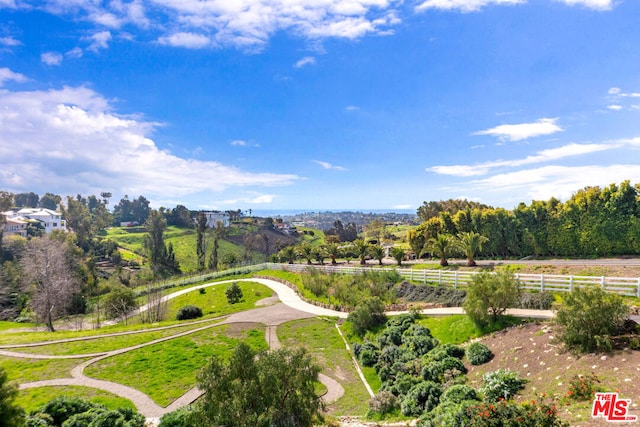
(7, 326)
(322, 340)
(30, 370)
(214, 301)
(34, 398)
(167, 370)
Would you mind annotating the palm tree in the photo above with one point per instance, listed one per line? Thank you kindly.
(377, 252)
(398, 254)
(362, 248)
(470, 243)
(305, 251)
(319, 254)
(333, 251)
(441, 246)
(288, 253)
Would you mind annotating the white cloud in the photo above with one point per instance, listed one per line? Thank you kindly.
(99, 41)
(327, 165)
(614, 91)
(9, 41)
(523, 130)
(51, 58)
(71, 142)
(188, 40)
(614, 107)
(239, 142)
(307, 60)
(403, 207)
(552, 154)
(76, 52)
(8, 75)
(591, 4)
(11, 4)
(464, 5)
(260, 200)
(352, 108)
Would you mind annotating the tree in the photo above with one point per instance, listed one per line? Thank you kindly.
(48, 276)
(233, 293)
(161, 257)
(489, 295)
(377, 252)
(398, 254)
(219, 231)
(26, 200)
(50, 201)
(417, 239)
(119, 302)
(362, 249)
(333, 251)
(441, 246)
(470, 243)
(288, 254)
(590, 317)
(305, 250)
(277, 388)
(11, 415)
(201, 247)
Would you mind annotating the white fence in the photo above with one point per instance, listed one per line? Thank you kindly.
(629, 286)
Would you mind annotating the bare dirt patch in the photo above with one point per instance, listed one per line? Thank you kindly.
(532, 351)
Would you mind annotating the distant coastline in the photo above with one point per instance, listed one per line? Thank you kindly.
(293, 212)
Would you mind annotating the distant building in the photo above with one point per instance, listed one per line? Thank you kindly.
(213, 217)
(50, 220)
(15, 227)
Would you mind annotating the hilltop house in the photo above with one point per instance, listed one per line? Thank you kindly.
(213, 217)
(17, 220)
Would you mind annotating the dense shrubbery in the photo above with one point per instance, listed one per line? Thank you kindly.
(66, 411)
(183, 417)
(536, 301)
(590, 318)
(233, 293)
(367, 316)
(189, 312)
(478, 353)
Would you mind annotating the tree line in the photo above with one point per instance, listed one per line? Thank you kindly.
(593, 222)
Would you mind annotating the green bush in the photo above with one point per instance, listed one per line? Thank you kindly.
(11, 415)
(382, 403)
(449, 414)
(583, 387)
(501, 384)
(504, 413)
(458, 393)
(536, 301)
(367, 353)
(233, 293)
(448, 297)
(445, 350)
(401, 384)
(180, 418)
(589, 318)
(489, 295)
(422, 397)
(478, 353)
(63, 407)
(441, 370)
(189, 312)
(367, 316)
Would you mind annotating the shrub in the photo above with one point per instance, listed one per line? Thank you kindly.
(11, 415)
(419, 345)
(501, 384)
(401, 384)
(510, 414)
(63, 407)
(403, 321)
(589, 318)
(382, 403)
(392, 335)
(489, 295)
(367, 353)
(180, 418)
(119, 302)
(434, 294)
(422, 397)
(536, 301)
(233, 293)
(441, 370)
(583, 387)
(458, 393)
(448, 414)
(445, 350)
(189, 312)
(478, 353)
(367, 316)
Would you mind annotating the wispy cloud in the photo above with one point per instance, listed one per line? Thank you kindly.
(552, 154)
(463, 5)
(591, 4)
(99, 41)
(9, 41)
(7, 75)
(51, 58)
(91, 148)
(186, 39)
(327, 165)
(522, 131)
(307, 60)
(352, 108)
(239, 142)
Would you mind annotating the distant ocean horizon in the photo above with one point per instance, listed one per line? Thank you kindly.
(292, 212)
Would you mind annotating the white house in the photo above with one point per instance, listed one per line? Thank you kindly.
(14, 227)
(50, 220)
(213, 217)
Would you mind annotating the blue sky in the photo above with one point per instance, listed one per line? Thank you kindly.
(319, 104)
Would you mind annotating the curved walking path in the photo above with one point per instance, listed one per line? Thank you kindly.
(291, 307)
